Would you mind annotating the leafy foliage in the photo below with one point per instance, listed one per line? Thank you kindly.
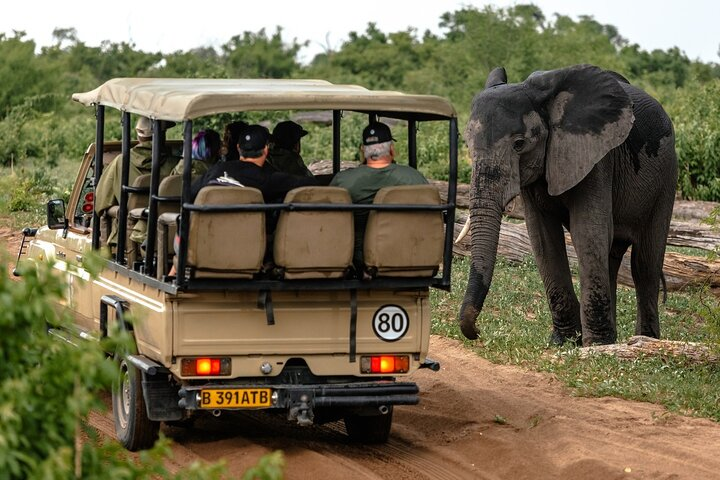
(36, 121)
(697, 121)
(48, 387)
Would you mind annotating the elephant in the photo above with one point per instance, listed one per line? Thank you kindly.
(590, 153)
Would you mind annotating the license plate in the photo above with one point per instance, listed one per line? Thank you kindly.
(236, 398)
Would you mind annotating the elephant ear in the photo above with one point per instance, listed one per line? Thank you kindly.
(496, 77)
(588, 114)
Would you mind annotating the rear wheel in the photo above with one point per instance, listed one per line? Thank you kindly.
(369, 428)
(132, 426)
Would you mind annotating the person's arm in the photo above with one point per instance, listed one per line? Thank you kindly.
(202, 181)
(104, 192)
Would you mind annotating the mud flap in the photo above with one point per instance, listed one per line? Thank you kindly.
(161, 398)
(353, 325)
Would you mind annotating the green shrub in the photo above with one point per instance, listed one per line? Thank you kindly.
(48, 387)
(32, 190)
(697, 126)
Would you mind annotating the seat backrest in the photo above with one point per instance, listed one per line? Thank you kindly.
(314, 244)
(170, 186)
(139, 200)
(226, 245)
(408, 243)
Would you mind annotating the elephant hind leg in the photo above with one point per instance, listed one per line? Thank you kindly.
(617, 251)
(647, 262)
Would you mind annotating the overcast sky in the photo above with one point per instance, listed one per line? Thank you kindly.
(167, 26)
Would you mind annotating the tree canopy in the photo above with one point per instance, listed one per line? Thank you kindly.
(453, 64)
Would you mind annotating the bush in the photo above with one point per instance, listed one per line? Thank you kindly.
(48, 387)
(697, 125)
(31, 191)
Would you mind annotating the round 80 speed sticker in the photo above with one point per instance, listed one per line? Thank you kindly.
(390, 323)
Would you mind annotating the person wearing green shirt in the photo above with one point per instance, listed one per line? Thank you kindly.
(378, 171)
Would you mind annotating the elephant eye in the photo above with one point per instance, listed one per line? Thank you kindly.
(518, 144)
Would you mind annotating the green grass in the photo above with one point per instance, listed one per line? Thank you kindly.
(515, 325)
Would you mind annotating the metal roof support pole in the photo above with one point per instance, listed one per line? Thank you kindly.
(452, 193)
(337, 117)
(157, 144)
(184, 228)
(99, 147)
(124, 179)
(412, 143)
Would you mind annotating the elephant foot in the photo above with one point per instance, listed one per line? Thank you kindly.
(558, 339)
(597, 340)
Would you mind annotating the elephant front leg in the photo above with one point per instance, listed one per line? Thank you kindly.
(548, 242)
(592, 245)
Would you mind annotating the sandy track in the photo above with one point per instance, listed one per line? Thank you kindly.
(457, 433)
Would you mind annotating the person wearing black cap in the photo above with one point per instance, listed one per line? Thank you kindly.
(285, 147)
(378, 171)
(252, 169)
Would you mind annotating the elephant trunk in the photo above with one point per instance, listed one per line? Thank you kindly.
(485, 219)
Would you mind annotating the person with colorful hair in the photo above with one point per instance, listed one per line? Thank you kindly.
(205, 153)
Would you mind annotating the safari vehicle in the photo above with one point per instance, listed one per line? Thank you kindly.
(310, 340)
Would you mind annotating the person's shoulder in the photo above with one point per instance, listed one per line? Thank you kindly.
(349, 173)
(408, 172)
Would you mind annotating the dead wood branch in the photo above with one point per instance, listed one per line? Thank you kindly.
(640, 345)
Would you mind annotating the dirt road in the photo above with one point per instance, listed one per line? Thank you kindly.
(476, 420)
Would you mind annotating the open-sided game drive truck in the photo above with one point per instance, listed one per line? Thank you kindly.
(312, 338)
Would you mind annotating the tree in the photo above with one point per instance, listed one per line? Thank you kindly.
(255, 55)
(21, 73)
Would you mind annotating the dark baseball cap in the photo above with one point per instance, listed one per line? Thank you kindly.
(376, 132)
(287, 134)
(253, 138)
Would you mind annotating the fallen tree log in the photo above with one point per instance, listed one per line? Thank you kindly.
(680, 270)
(684, 210)
(640, 345)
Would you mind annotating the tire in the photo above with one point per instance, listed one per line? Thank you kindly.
(134, 430)
(369, 429)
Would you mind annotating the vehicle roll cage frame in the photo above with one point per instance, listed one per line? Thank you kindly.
(183, 283)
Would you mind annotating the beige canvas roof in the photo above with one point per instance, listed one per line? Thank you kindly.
(181, 99)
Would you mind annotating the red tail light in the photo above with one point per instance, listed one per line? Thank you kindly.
(385, 364)
(205, 366)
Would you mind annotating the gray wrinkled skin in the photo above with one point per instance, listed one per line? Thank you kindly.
(587, 152)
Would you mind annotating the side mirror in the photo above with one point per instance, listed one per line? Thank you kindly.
(56, 215)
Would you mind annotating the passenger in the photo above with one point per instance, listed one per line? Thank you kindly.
(252, 169)
(378, 170)
(230, 140)
(107, 192)
(285, 148)
(206, 147)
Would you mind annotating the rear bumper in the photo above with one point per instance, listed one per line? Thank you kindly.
(344, 395)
